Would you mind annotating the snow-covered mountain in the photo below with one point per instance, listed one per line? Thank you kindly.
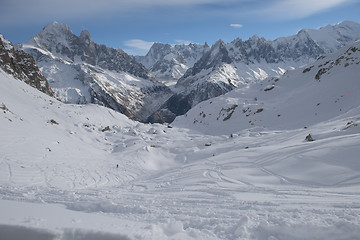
(87, 172)
(81, 71)
(299, 98)
(22, 66)
(170, 62)
(331, 38)
(236, 64)
(194, 87)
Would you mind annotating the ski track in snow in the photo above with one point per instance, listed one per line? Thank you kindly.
(212, 194)
(74, 178)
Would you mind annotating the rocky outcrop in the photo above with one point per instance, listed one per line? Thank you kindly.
(22, 66)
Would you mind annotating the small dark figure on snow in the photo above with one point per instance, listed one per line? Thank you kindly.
(309, 138)
(117, 165)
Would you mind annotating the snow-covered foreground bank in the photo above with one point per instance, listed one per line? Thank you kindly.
(87, 172)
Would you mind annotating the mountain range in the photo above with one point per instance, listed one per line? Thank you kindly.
(276, 158)
(171, 79)
(170, 62)
(80, 71)
(299, 98)
(228, 66)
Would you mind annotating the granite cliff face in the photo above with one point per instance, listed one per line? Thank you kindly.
(22, 66)
(81, 71)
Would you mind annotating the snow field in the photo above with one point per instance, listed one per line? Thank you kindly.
(87, 172)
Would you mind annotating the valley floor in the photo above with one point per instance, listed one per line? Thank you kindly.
(65, 175)
(256, 185)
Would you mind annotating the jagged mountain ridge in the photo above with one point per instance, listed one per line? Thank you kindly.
(306, 96)
(228, 66)
(81, 71)
(81, 163)
(170, 62)
(22, 66)
(59, 40)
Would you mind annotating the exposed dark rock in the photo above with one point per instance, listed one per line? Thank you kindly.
(22, 66)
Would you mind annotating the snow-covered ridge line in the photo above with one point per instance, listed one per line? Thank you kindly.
(240, 63)
(85, 171)
(81, 71)
(299, 98)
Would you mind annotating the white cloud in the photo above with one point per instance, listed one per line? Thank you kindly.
(295, 9)
(236, 25)
(138, 43)
(74, 8)
(137, 46)
(186, 42)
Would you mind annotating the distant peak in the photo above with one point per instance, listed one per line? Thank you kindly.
(255, 37)
(56, 27)
(157, 44)
(303, 31)
(160, 45)
(348, 23)
(219, 43)
(85, 34)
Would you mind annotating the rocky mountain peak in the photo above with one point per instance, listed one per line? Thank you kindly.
(218, 44)
(85, 35)
(158, 50)
(81, 71)
(216, 56)
(58, 39)
(170, 62)
(55, 27)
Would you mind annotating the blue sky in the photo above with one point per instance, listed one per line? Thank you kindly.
(134, 25)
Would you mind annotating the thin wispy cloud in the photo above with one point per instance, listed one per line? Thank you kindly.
(236, 25)
(137, 46)
(185, 42)
(114, 22)
(42, 9)
(295, 9)
(64, 10)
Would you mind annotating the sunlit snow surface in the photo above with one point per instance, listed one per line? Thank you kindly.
(87, 172)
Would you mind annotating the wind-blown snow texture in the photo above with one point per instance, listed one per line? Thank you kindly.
(236, 167)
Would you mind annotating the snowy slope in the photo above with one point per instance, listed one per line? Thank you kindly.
(299, 98)
(81, 71)
(88, 172)
(239, 63)
(334, 37)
